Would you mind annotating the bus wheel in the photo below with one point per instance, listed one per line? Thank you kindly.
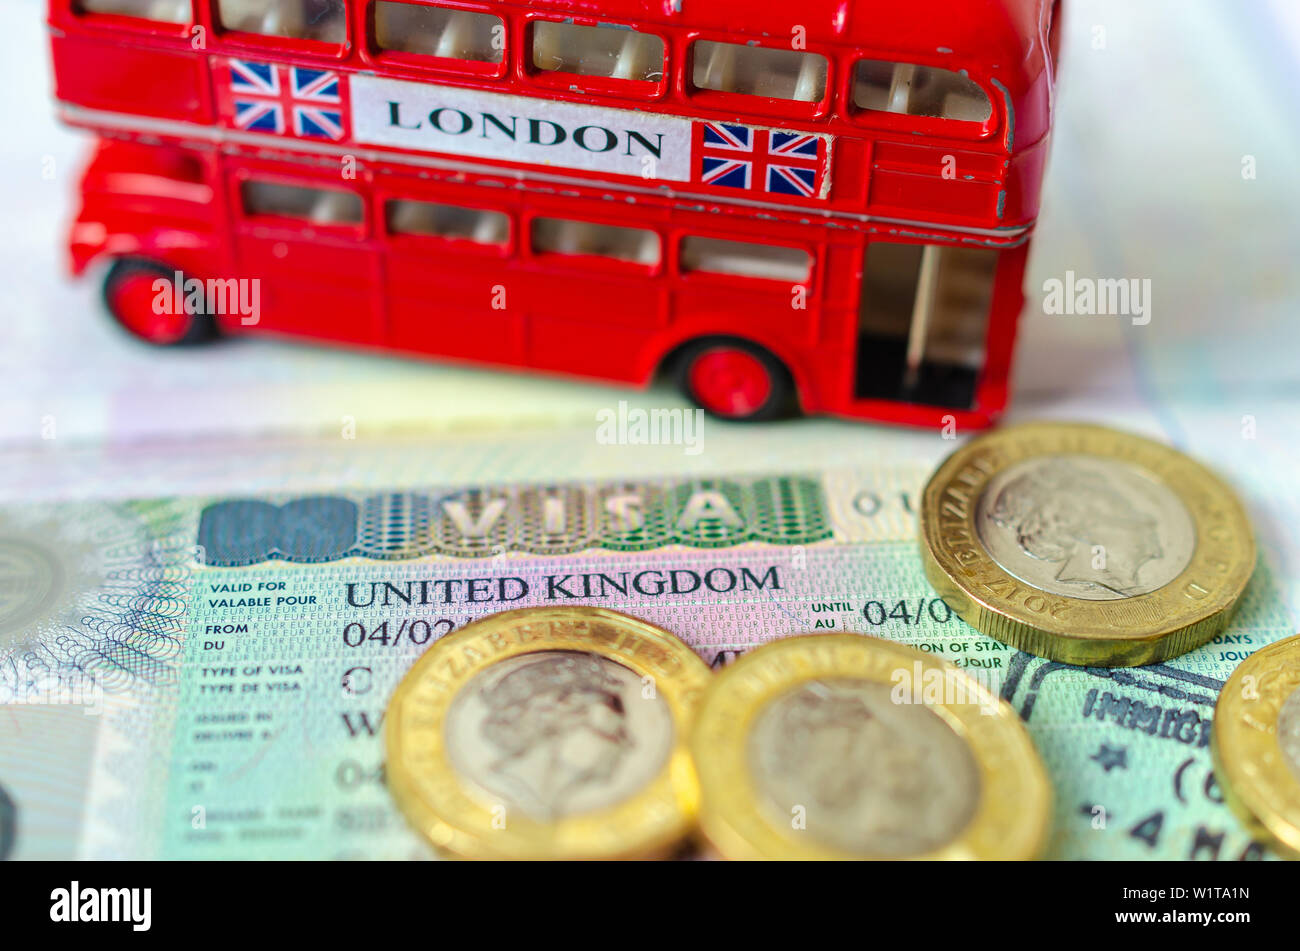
(132, 296)
(735, 380)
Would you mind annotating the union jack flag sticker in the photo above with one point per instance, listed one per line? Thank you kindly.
(286, 100)
(769, 161)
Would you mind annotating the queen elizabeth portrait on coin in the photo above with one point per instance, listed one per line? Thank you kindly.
(870, 776)
(1097, 529)
(558, 732)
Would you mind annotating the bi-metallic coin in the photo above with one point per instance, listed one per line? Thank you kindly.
(845, 746)
(548, 733)
(1256, 744)
(1085, 545)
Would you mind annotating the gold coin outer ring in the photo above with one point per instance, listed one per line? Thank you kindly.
(1248, 761)
(458, 818)
(1012, 815)
(1146, 629)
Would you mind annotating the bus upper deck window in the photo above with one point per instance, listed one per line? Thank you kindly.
(322, 20)
(447, 221)
(562, 236)
(741, 259)
(613, 52)
(161, 11)
(439, 31)
(919, 91)
(322, 206)
(759, 71)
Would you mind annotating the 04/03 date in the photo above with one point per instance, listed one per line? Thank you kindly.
(880, 613)
(389, 634)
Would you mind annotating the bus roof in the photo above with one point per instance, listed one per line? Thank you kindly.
(1001, 38)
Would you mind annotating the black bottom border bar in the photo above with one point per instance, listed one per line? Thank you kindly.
(379, 902)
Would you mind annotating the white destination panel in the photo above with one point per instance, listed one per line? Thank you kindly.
(520, 129)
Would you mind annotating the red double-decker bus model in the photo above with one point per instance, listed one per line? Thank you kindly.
(824, 205)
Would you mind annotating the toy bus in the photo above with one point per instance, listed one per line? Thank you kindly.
(824, 206)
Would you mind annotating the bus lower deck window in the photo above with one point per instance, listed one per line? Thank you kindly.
(435, 220)
(322, 20)
(563, 236)
(739, 258)
(919, 91)
(160, 11)
(439, 31)
(759, 71)
(322, 206)
(613, 52)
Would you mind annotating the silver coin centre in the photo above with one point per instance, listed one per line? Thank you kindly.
(557, 733)
(860, 772)
(1085, 527)
(1288, 732)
